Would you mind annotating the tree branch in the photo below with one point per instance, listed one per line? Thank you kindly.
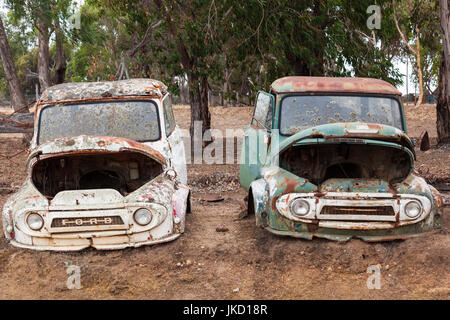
(402, 35)
(146, 38)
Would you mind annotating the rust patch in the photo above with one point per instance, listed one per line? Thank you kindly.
(273, 204)
(312, 227)
(290, 185)
(333, 84)
(70, 142)
(101, 143)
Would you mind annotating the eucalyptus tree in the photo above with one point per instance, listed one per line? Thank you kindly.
(15, 89)
(178, 39)
(313, 38)
(443, 103)
(417, 23)
(44, 16)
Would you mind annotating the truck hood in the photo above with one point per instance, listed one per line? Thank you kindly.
(345, 132)
(83, 143)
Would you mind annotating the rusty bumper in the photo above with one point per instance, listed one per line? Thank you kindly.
(101, 218)
(102, 243)
(342, 216)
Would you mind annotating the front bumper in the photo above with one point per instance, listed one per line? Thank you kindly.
(340, 235)
(101, 243)
(100, 228)
(353, 222)
(104, 237)
(98, 218)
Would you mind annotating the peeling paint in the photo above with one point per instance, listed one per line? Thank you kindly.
(333, 84)
(351, 179)
(87, 189)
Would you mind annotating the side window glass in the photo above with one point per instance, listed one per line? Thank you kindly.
(268, 122)
(169, 118)
(263, 110)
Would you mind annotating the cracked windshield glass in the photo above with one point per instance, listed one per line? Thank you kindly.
(302, 112)
(134, 120)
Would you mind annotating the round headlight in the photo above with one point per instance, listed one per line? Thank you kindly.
(142, 216)
(413, 209)
(299, 207)
(35, 221)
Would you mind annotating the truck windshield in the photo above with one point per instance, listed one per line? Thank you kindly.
(134, 120)
(301, 112)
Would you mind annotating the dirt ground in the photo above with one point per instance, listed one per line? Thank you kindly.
(244, 262)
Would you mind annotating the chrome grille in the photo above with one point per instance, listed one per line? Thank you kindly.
(349, 210)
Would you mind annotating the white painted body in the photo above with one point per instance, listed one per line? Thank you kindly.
(84, 217)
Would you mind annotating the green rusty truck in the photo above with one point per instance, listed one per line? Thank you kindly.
(331, 158)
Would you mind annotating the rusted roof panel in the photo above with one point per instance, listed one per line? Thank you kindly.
(333, 84)
(104, 89)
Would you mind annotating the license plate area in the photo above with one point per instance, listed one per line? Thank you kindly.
(88, 221)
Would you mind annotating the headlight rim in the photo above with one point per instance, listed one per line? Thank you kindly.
(136, 220)
(419, 211)
(293, 211)
(32, 213)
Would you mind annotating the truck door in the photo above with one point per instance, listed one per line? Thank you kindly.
(256, 140)
(175, 141)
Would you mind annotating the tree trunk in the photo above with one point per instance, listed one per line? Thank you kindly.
(198, 92)
(416, 53)
(227, 88)
(318, 69)
(443, 102)
(43, 55)
(198, 86)
(198, 96)
(60, 65)
(15, 90)
(419, 69)
(298, 65)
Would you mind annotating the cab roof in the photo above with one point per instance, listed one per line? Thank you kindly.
(333, 84)
(105, 89)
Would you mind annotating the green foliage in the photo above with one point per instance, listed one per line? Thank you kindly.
(241, 46)
(279, 38)
(421, 18)
(95, 46)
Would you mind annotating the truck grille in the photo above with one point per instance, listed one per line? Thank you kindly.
(86, 221)
(348, 210)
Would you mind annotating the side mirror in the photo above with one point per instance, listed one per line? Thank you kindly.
(171, 174)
